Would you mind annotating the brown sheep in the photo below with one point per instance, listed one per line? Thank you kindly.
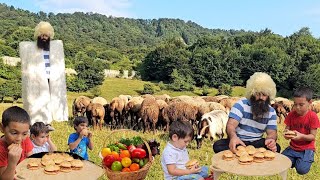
(132, 109)
(162, 104)
(316, 106)
(149, 113)
(180, 110)
(287, 104)
(97, 111)
(164, 97)
(211, 98)
(280, 110)
(229, 102)
(116, 109)
(80, 105)
(210, 106)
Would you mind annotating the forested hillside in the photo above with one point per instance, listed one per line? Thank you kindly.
(179, 55)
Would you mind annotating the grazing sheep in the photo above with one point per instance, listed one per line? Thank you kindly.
(211, 98)
(132, 109)
(164, 97)
(212, 124)
(80, 105)
(287, 104)
(180, 110)
(149, 113)
(280, 110)
(148, 96)
(210, 106)
(316, 106)
(97, 112)
(116, 108)
(125, 99)
(229, 102)
(100, 100)
(162, 104)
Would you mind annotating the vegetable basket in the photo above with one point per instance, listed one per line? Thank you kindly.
(140, 174)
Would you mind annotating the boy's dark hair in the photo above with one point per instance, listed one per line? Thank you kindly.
(181, 128)
(303, 92)
(78, 120)
(15, 114)
(38, 128)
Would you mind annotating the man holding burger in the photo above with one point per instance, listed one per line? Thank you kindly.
(252, 116)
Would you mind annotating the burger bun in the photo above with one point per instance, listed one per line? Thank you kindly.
(192, 163)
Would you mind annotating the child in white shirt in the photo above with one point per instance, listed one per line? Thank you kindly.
(40, 138)
(175, 154)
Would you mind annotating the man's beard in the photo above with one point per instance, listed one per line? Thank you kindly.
(43, 44)
(259, 107)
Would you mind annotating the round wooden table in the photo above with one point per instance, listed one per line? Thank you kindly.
(279, 165)
(89, 171)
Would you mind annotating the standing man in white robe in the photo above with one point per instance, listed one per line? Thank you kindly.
(44, 90)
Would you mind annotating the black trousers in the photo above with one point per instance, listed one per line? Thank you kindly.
(223, 144)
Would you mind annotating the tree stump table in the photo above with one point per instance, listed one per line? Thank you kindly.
(279, 165)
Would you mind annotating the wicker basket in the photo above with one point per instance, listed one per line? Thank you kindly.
(134, 175)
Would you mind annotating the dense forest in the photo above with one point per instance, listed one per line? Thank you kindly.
(178, 53)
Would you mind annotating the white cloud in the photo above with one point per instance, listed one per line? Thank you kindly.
(117, 8)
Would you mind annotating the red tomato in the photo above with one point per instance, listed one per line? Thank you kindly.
(139, 153)
(108, 160)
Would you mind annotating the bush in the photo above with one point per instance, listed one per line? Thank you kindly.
(148, 89)
(96, 91)
(162, 86)
(205, 90)
(225, 89)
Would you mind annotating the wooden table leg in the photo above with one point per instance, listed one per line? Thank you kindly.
(284, 174)
(216, 174)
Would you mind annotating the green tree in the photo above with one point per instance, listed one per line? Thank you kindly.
(89, 71)
(310, 78)
(180, 82)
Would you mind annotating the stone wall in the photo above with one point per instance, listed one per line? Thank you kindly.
(107, 72)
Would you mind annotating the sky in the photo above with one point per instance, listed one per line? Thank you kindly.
(283, 17)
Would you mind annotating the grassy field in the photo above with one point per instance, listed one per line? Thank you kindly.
(114, 87)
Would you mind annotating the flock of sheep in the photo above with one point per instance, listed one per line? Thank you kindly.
(207, 114)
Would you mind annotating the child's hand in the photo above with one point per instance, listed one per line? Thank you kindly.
(14, 153)
(89, 134)
(298, 136)
(84, 132)
(195, 169)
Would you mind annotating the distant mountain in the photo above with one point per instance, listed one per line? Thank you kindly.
(81, 31)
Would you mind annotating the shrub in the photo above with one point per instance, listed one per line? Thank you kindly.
(162, 86)
(148, 89)
(225, 89)
(205, 90)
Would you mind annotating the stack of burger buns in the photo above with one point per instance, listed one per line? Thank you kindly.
(248, 155)
(53, 163)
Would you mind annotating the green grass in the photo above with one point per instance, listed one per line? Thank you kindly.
(113, 87)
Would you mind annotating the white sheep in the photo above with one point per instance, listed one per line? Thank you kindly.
(212, 124)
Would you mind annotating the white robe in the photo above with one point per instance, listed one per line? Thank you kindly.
(44, 103)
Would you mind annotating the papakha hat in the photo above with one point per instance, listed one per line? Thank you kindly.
(44, 28)
(261, 82)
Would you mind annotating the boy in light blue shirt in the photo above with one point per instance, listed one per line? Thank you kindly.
(82, 139)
